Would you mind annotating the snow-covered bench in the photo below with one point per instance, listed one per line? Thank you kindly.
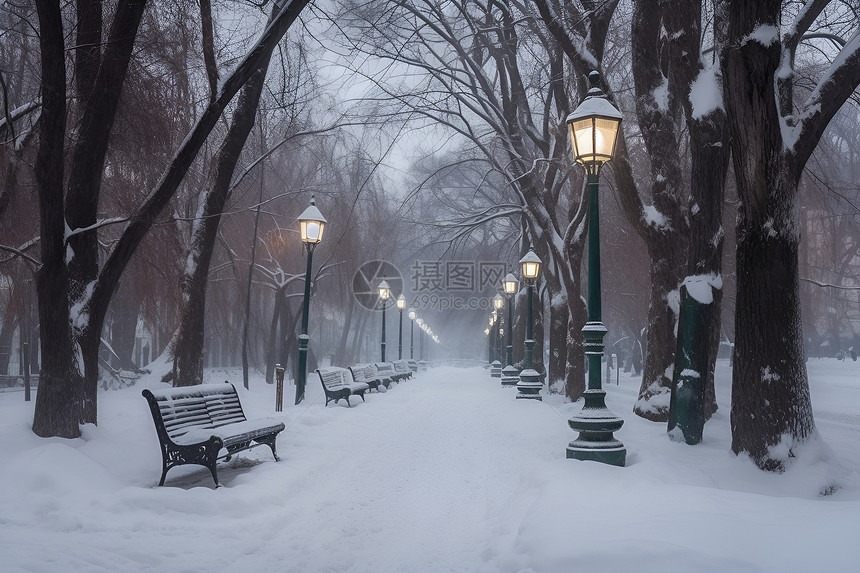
(386, 370)
(337, 384)
(367, 374)
(402, 369)
(195, 423)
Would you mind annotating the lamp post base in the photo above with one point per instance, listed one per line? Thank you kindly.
(496, 369)
(529, 385)
(510, 376)
(596, 424)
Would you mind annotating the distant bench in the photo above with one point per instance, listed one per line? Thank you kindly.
(194, 423)
(338, 384)
(402, 370)
(368, 374)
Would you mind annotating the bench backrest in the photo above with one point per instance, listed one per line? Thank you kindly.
(400, 366)
(384, 367)
(178, 410)
(333, 377)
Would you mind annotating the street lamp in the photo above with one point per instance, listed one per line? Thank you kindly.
(496, 366)
(384, 295)
(529, 385)
(594, 129)
(510, 376)
(311, 227)
(412, 315)
(401, 304)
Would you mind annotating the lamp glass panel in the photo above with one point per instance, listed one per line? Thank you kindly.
(530, 270)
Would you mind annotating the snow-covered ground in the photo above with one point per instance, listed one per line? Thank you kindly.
(444, 473)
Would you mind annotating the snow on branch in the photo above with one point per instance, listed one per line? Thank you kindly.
(97, 225)
(832, 91)
(840, 287)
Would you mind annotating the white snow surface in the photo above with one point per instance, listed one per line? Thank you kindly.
(446, 473)
(706, 94)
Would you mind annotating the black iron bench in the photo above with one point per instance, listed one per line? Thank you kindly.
(195, 423)
(386, 370)
(402, 369)
(336, 384)
(366, 373)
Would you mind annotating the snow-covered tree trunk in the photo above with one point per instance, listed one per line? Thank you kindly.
(772, 139)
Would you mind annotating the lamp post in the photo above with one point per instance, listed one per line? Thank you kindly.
(593, 132)
(510, 375)
(413, 364)
(401, 305)
(529, 385)
(384, 295)
(311, 227)
(496, 366)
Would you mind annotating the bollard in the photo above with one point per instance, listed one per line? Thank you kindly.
(279, 388)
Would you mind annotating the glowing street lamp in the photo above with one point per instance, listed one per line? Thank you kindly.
(311, 227)
(384, 295)
(594, 126)
(510, 376)
(401, 305)
(529, 385)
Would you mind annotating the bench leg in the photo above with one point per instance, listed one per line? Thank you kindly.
(269, 441)
(347, 401)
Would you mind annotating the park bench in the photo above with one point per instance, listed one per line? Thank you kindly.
(367, 374)
(336, 384)
(386, 370)
(194, 423)
(413, 365)
(402, 369)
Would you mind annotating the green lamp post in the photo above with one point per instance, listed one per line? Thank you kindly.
(401, 305)
(510, 375)
(384, 295)
(529, 385)
(496, 365)
(594, 126)
(311, 227)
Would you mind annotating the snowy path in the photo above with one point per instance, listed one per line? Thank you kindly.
(447, 473)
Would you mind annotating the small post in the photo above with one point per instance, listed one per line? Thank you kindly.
(279, 388)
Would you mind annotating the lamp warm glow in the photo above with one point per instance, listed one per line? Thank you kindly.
(401, 301)
(384, 291)
(311, 224)
(509, 283)
(412, 314)
(594, 126)
(531, 265)
(498, 302)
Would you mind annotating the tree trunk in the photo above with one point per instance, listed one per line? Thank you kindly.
(188, 352)
(668, 259)
(771, 407)
(574, 384)
(272, 350)
(7, 329)
(126, 309)
(559, 317)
